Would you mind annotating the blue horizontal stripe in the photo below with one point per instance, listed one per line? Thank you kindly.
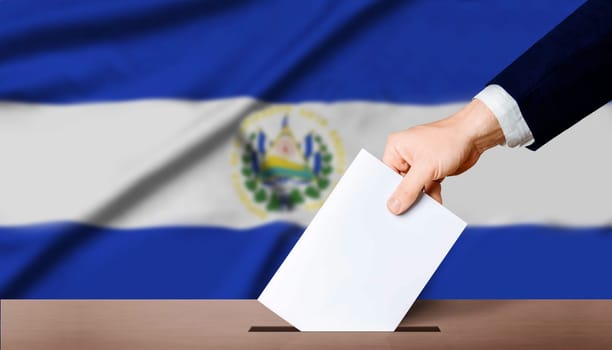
(400, 51)
(69, 260)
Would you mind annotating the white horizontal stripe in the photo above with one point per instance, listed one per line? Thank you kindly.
(169, 162)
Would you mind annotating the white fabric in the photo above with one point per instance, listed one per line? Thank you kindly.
(508, 114)
(169, 162)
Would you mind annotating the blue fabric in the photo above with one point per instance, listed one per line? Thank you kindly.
(73, 51)
(68, 260)
(283, 51)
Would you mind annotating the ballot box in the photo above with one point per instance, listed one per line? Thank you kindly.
(246, 324)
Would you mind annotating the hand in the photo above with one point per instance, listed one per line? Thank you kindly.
(426, 154)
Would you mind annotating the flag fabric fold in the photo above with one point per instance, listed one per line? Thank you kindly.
(177, 149)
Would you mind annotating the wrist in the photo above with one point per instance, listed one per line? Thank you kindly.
(480, 125)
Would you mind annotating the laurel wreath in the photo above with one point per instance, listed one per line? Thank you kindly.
(273, 200)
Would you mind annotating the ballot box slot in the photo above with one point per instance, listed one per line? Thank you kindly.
(417, 329)
(273, 329)
(264, 329)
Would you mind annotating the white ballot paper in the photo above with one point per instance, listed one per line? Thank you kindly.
(357, 267)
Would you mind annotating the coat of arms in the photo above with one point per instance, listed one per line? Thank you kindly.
(282, 166)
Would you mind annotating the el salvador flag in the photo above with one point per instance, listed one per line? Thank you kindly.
(177, 149)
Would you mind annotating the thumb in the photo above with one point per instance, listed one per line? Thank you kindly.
(408, 190)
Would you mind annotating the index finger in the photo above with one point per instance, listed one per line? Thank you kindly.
(394, 160)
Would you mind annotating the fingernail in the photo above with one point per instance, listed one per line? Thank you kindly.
(394, 205)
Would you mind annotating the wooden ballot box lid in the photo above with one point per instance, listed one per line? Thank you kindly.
(246, 324)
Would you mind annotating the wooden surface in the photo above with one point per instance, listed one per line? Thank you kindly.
(211, 324)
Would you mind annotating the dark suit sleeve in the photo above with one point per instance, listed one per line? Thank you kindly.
(566, 75)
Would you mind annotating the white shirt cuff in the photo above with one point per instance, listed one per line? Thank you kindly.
(506, 110)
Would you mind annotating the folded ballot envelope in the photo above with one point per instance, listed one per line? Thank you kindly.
(357, 267)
